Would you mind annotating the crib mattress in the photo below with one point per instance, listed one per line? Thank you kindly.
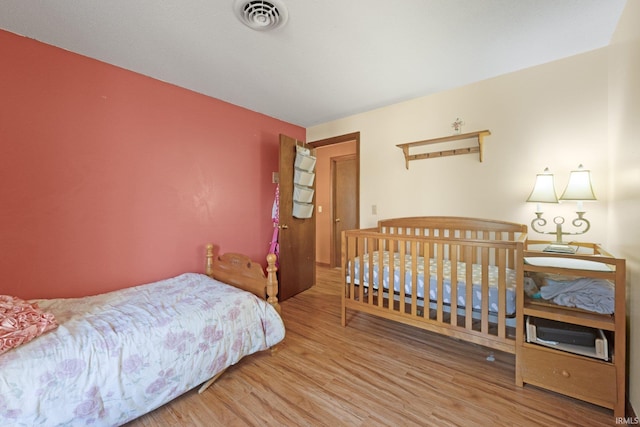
(433, 288)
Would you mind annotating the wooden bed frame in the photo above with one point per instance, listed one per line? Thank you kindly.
(240, 271)
(469, 241)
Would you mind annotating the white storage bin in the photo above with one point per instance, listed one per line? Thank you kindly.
(302, 194)
(302, 210)
(305, 162)
(302, 150)
(301, 177)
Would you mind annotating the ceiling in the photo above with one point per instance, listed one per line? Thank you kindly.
(332, 58)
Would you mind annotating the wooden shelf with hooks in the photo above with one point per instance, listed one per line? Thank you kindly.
(479, 135)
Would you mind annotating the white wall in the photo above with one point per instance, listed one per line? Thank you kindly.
(624, 131)
(552, 115)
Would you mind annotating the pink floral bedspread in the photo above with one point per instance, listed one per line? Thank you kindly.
(122, 354)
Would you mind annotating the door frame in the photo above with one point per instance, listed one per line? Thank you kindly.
(354, 136)
(333, 251)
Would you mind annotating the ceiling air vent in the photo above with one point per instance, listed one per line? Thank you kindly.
(261, 15)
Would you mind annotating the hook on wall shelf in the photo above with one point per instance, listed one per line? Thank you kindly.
(479, 135)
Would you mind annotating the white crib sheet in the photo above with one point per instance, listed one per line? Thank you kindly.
(433, 289)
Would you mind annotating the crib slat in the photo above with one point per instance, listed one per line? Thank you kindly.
(414, 278)
(351, 254)
(439, 280)
(468, 307)
(392, 276)
(403, 272)
(454, 286)
(367, 296)
(381, 249)
(361, 250)
(502, 291)
(426, 255)
(511, 254)
(484, 261)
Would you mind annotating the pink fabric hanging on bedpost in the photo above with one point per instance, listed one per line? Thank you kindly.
(275, 217)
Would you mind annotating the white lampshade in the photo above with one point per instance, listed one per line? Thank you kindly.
(579, 186)
(544, 190)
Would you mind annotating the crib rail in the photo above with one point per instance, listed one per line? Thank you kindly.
(456, 228)
(483, 251)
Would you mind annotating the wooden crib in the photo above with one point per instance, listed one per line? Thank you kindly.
(487, 253)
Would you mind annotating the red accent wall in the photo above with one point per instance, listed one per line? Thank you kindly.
(110, 179)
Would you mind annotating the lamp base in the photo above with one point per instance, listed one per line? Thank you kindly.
(560, 249)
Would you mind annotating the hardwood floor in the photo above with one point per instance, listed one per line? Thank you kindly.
(374, 372)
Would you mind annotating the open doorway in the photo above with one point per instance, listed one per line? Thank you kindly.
(344, 197)
(337, 180)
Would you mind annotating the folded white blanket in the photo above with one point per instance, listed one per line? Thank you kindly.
(586, 293)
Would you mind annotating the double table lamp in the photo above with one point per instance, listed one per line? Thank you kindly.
(578, 189)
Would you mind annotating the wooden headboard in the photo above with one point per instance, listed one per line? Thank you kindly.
(240, 271)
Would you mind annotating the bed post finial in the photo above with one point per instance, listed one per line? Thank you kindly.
(272, 282)
(209, 260)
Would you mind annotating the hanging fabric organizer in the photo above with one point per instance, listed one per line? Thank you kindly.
(303, 179)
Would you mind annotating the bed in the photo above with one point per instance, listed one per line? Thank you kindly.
(109, 358)
(403, 270)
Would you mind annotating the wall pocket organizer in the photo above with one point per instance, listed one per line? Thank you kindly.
(303, 178)
(304, 160)
(302, 210)
(302, 194)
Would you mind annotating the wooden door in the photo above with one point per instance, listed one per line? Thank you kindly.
(297, 237)
(344, 200)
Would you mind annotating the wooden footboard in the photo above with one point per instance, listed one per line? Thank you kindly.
(238, 270)
(404, 269)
